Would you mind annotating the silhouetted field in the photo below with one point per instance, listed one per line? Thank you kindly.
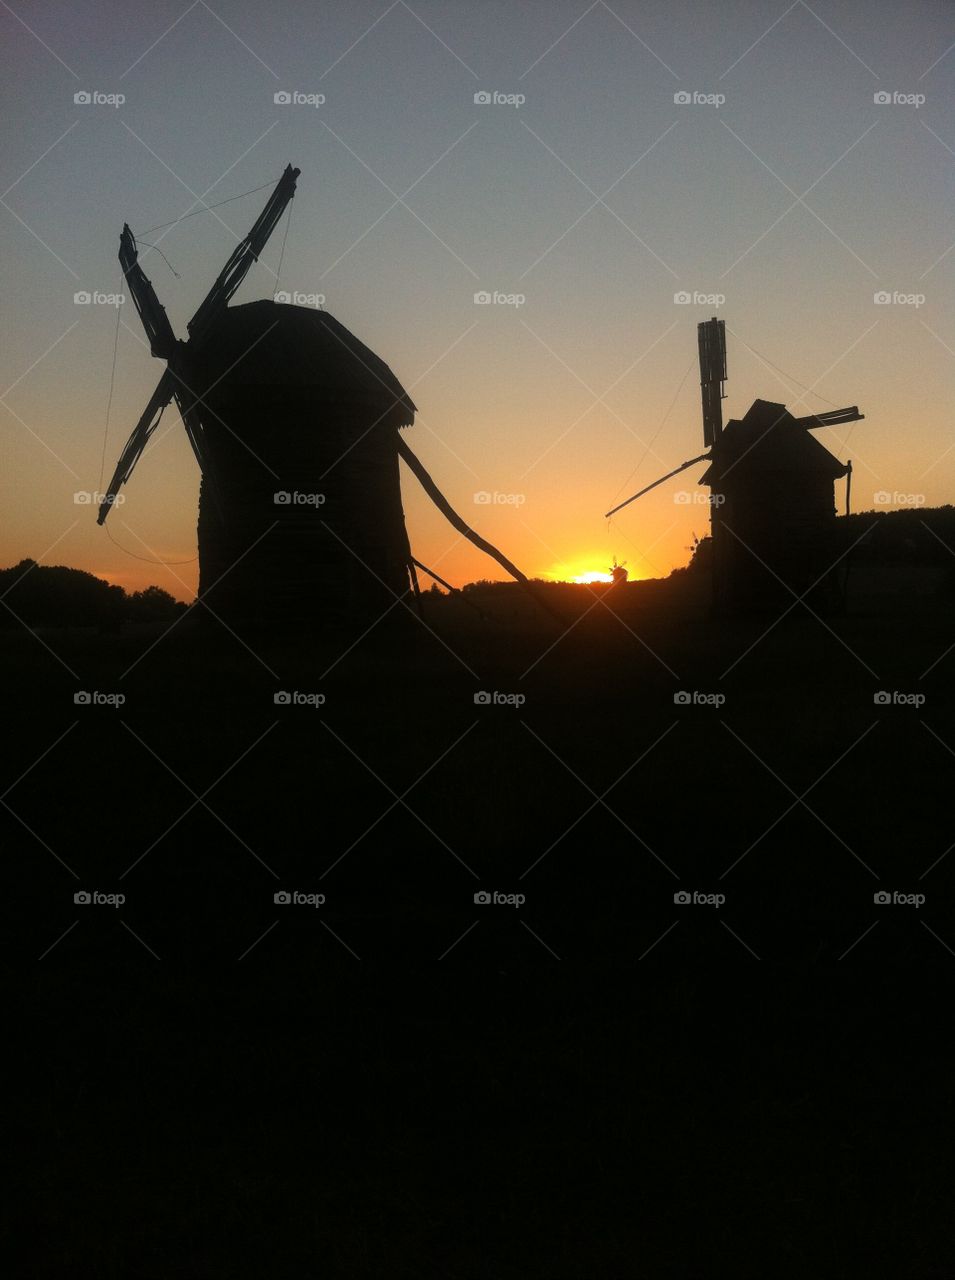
(303, 1041)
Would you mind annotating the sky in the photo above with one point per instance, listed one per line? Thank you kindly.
(790, 168)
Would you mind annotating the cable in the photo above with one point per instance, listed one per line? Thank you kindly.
(656, 433)
(785, 374)
(109, 401)
(147, 559)
(288, 223)
(205, 209)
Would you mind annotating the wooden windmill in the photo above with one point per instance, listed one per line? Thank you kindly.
(296, 426)
(772, 504)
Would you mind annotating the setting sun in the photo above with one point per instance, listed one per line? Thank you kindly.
(593, 576)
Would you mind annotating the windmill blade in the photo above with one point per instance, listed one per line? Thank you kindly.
(675, 472)
(137, 441)
(247, 252)
(162, 340)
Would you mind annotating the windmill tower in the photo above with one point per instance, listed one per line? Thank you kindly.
(296, 427)
(772, 497)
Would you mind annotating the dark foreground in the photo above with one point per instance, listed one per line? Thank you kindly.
(632, 1085)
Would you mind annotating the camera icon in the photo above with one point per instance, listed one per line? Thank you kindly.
(282, 296)
(82, 98)
(82, 298)
(282, 898)
(282, 499)
(882, 699)
(882, 497)
(82, 497)
(282, 98)
(681, 898)
(482, 898)
(482, 297)
(681, 698)
(482, 497)
(282, 698)
(82, 898)
(881, 898)
(682, 298)
(681, 97)
(881, 98)
(82, 698)
(682, 497)
(882, 298)
(482, 699)
(482, 98)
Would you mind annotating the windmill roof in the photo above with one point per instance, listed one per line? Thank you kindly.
(769, 439)
(274, 345)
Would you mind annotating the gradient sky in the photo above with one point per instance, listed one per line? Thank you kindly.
(598, 199)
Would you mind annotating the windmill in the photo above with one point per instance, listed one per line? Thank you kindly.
(295, 425)
(772, 492)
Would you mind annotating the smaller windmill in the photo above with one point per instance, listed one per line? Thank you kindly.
(772, 501)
